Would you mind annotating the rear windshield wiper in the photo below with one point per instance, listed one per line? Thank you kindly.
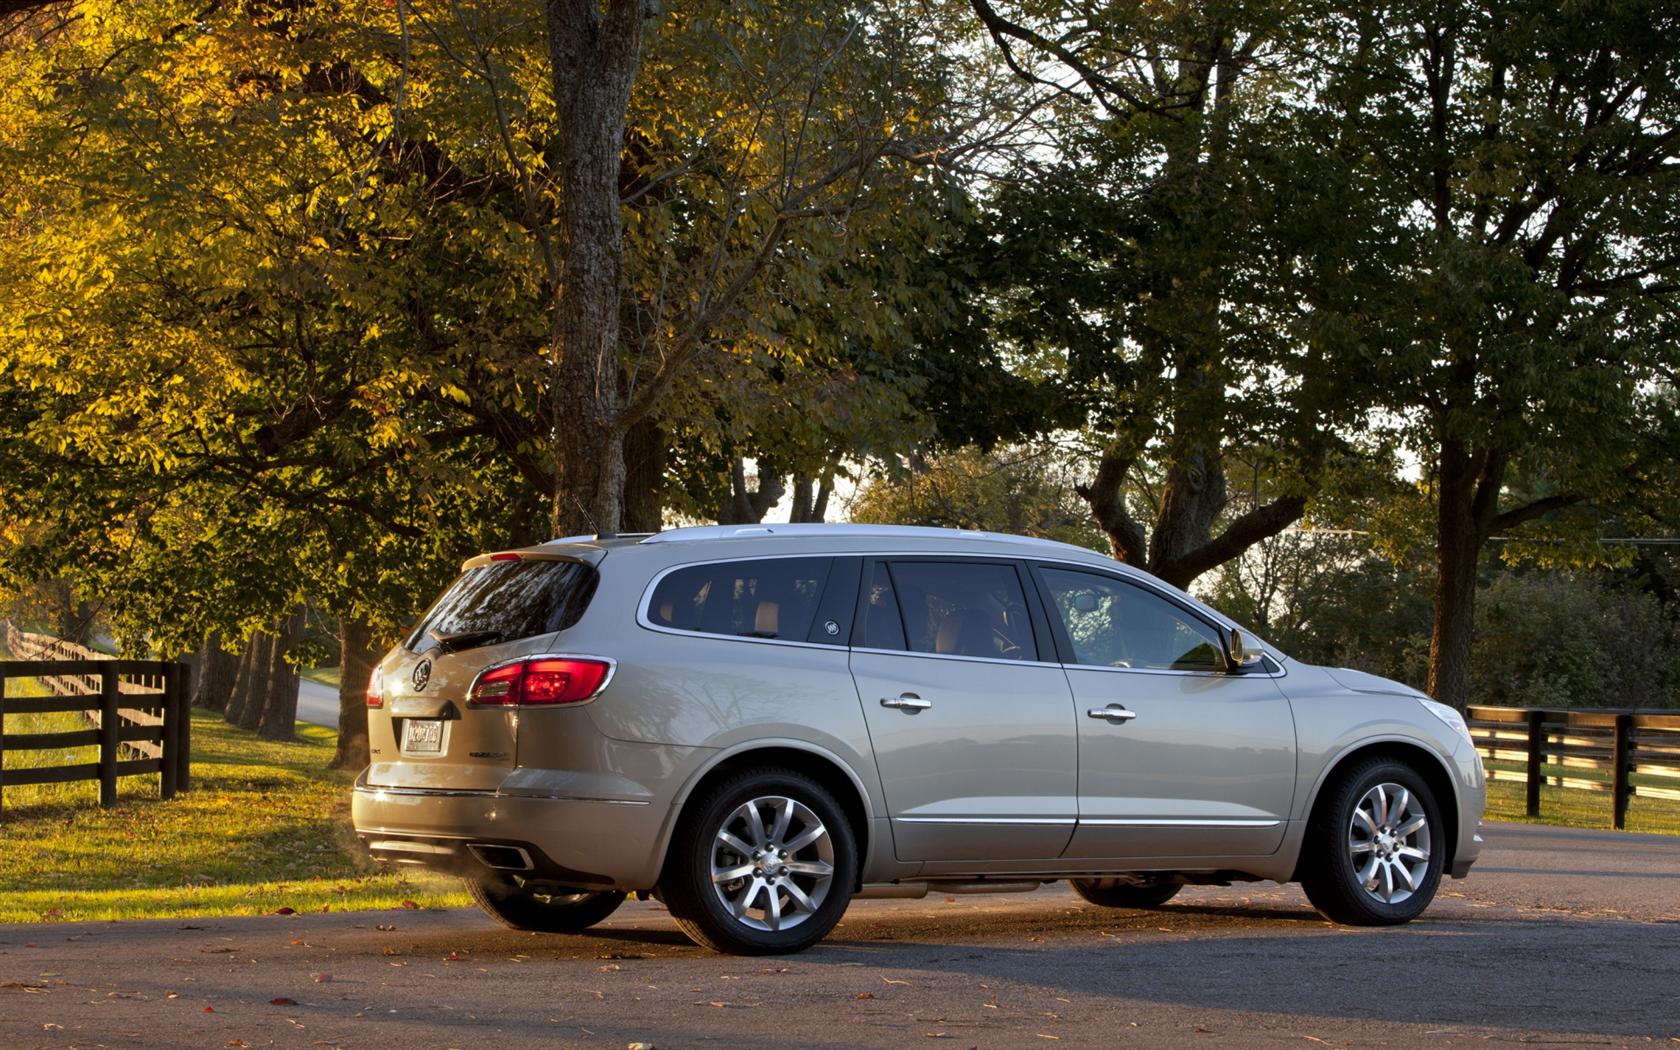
(451, 643)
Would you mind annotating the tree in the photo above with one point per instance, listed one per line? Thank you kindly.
(1163, 264)
(1518, 167)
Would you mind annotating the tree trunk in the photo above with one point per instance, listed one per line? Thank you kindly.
(216, 673)
(356, 656)
(276, 717)
(594, 50)
(644, 477)
(749, 506)
(1468, 482)
(256, 683)
(246, 677)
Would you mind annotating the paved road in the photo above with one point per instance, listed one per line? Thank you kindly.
(1560, 937)
(317, 704)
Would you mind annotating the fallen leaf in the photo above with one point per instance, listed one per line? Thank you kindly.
(889, 980)
(321, 978)
(237, 1042)
(1043, 1035)
(388, 950)
(283, 1001)
(285, 911)
(410, 905)
(385, 927)
(864, 995)
(209, 1009)
(50, 1027)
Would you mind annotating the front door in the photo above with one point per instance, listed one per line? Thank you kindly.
(973, 732)
(1177, 757)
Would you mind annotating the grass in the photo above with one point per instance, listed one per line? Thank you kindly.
(327, 676)
(265, 826)
(1577, 808)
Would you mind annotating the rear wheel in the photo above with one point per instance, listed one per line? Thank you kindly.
(518, 904)
(1375, 847)
(1113, 893)
(765, 864)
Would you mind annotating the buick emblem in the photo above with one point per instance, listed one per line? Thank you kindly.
(422, 674)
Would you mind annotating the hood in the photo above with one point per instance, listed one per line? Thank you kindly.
(1361, 682)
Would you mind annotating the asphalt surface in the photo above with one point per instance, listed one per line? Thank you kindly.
(1558, 937)
(317, 704)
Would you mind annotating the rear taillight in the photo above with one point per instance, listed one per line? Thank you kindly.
(376, 687)
(542, 680)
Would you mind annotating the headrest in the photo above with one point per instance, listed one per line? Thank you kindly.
(767, 621)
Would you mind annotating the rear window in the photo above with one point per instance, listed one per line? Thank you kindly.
(504, 601)
(764, 598)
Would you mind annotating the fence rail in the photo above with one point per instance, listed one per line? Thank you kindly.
(1625, 753)
(151, 694)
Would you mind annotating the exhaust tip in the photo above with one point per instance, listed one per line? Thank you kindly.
(501, 858)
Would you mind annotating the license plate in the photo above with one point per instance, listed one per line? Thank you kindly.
(422, 734)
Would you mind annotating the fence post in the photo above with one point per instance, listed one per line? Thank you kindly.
(1536, 747)
(9, 628)
(171, 726)
(108, 721)
(1621, 758)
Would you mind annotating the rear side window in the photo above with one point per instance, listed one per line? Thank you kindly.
(763, 598)
(504, 601)
(964, 609)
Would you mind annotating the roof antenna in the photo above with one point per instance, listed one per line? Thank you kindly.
(594, 526)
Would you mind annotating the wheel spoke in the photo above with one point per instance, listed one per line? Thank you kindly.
(1397, 811)
(754, 819)
(1413, 853)
(805, 838)
(1411, 827)
(773, 909)
(1405, 873)
(1380, 805)
(1357, 846)
(822, 869)
(722, 875)
(1388, 882)
(1360, 817)
(797, 896)
(743, 902)
(734, 843)
(784, 816)
(1368, 874)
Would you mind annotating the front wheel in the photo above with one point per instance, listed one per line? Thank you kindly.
(1374, 850)
(517, 905)
(1113, 893)
(764, 864)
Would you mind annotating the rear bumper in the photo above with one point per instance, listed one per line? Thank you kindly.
(588, 843)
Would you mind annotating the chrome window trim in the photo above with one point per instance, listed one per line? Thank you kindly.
(612, 669)
(1122, 576)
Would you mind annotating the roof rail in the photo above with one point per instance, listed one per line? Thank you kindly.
(836, 530)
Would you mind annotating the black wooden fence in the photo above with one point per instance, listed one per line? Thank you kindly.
(131, 702)
(1624, 753)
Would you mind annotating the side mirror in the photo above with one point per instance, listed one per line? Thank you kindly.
(1238, 658)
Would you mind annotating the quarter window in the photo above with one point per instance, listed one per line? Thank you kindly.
(765, 598)
(1116, 624)
(964, 609)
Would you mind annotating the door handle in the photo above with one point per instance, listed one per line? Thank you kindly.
(906, 702)
(1113, 712)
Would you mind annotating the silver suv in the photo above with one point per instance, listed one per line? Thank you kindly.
(759, 724)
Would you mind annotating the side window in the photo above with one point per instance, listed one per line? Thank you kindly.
(1115, 624)
(964, 609)
(882, 627)
(766, 598)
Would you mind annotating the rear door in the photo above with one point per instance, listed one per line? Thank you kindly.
(426, 733)
(973, 732)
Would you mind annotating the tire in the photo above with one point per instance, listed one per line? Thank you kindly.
(506, 899)
(1360, 854)
(1110, 893)
(726, 899)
